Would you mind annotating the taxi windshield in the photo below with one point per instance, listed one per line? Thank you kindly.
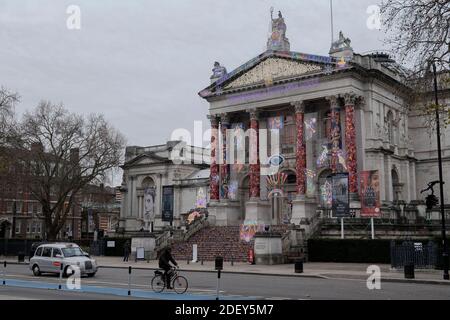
(72, 252)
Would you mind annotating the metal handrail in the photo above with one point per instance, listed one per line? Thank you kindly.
(195, 227)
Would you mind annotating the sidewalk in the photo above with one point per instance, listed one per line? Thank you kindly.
(310, 269)
(323, 270)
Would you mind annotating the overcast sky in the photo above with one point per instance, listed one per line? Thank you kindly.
(142, 62)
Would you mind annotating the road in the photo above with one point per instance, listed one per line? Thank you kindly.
(112, 283)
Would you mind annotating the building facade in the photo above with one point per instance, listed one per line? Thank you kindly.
(21, 214)
(343, 113)
(100, 210)
(160, 185)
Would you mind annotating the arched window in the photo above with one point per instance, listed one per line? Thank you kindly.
(148, 183)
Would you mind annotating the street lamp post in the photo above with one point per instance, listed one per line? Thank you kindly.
(441, 184)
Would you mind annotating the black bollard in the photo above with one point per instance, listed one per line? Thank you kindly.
(4, 273)
(129, 280)
(60, 275)
(409, 271)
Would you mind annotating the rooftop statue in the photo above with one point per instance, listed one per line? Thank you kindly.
(277, 40)
(218, 71)
(341, 43)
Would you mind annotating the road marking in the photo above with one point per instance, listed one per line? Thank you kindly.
(9, 297)
(36, 280)
(199, 294)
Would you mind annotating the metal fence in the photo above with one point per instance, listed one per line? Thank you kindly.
(423, 256)
(12, 247)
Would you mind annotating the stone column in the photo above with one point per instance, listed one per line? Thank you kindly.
(224, 167)
(350, 142)
(300, 154)
(139, 208)
(255, 209)
(254, 156)
(335, 132)
(214, 167)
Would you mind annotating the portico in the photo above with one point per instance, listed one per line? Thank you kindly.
(310, 130)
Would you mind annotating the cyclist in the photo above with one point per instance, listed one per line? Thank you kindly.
(164, 263)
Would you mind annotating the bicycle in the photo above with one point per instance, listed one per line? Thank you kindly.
(179, 283)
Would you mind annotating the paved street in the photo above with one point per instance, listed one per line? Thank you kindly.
(111, 283)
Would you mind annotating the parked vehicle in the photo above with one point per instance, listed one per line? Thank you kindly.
(49, 257)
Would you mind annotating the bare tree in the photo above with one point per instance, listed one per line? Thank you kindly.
(418, 31)
(8, 100)
(64, 152)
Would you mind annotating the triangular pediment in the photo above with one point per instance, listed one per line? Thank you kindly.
(146, 159)
(271, 70)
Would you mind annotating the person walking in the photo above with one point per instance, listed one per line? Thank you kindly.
(126, 250)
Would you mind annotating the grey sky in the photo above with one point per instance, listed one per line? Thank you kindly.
(141, 63)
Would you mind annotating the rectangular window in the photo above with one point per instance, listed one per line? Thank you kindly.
(33, 227)
(55, 252)
(47, 252)
(28, 227)
(19, 207)
(18, 227)
(30, 207)
(288, 131)
(9, 207)
(38, 227)
(39, 208)
(35, 206)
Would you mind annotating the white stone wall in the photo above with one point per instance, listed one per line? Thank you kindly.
(425, 150)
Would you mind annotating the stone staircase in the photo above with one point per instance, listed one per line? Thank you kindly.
(217, 241)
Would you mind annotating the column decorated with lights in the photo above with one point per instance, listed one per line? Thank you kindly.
(300, 153)
(255, 169)
(224, 167)
(350, 142)
(214, 167)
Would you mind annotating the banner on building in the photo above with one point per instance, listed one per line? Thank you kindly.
(167, 210)
(370, 193)
(275, 122)
(340, 195)
(249, 229)
(149, 203)
(201, 198)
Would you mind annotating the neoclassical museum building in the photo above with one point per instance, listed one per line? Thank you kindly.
(342, 114)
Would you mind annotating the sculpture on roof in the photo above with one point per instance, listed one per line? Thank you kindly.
(341, 44)
(277, 40)
(218, 71)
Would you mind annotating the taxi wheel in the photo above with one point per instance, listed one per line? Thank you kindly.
(67, 273)
(90, 275)
(36, 270)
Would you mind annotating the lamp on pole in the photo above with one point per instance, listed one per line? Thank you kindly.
(441, 182)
